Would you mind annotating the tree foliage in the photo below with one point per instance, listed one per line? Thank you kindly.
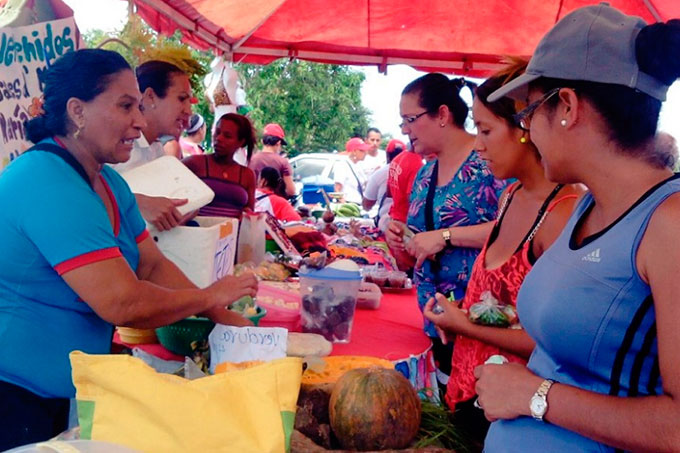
(137, 38)
(318, 105)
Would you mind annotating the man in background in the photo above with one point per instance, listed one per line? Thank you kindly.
(375, 157)
(351, 179)
(273, 140)
(402, 173)
(376, 188)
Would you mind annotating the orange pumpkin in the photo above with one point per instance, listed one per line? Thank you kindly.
(374, 409)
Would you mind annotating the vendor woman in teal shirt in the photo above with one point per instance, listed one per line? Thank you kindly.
(76, 257)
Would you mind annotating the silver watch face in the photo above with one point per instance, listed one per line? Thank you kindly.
(538, 406)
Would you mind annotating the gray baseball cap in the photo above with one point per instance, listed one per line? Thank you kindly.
(595, 43)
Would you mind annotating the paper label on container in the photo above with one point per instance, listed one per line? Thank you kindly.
(224, 254)
(242, 344)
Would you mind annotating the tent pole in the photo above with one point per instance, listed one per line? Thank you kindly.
(652, 10)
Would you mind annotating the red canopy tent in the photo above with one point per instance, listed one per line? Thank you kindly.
(460, 36)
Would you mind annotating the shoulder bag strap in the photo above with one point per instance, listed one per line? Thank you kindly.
(380, 205)
(66, 157)
(429, 201)
(361, 190)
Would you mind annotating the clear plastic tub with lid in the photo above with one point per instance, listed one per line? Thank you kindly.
(329, 299)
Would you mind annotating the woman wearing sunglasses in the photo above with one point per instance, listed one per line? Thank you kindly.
(456, 189)
(602, 302)
(533, 212)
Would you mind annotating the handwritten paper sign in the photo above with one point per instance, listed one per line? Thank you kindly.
(242, 344)
(25, 54)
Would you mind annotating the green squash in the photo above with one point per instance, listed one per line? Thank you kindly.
(374, 409)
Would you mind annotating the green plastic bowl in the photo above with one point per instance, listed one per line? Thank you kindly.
(177, 337)
(261, 313)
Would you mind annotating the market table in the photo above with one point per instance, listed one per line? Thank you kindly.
(393, 332)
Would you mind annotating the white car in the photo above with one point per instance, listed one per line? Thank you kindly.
(320, 165)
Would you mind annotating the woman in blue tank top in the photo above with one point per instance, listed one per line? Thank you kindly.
(601, 303)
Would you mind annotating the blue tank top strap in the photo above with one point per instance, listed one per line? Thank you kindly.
(644, 206)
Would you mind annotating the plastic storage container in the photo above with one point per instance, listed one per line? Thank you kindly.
(387, 280)
(283, 307)
(205, 253)
(329, 298)
(168, 177)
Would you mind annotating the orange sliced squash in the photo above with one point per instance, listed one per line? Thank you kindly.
(336, 366)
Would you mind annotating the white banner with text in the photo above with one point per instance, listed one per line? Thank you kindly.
(25, 54)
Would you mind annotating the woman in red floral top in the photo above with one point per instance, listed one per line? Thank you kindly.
(532, 213)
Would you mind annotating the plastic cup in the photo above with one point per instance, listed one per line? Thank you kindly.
(329, 299)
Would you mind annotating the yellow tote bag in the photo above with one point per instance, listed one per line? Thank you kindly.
(123, 400)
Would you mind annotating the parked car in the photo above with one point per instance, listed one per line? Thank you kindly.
(316, 164)
(313, 171)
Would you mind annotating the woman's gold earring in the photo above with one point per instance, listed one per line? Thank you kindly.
(76, 134)
(523, 140)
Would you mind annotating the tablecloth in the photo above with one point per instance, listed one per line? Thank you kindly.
(393, 332)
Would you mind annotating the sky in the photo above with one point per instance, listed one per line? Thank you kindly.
(380, 93)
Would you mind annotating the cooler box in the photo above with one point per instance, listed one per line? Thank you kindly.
(169, 177)
(311, 186)
(205, 253)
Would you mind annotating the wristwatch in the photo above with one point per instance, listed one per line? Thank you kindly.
(446, 234)
(539, 402)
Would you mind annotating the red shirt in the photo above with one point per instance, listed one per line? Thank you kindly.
(403, 171)
(268, 201)
(503, 282)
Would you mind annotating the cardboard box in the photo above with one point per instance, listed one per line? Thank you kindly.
(205, 253)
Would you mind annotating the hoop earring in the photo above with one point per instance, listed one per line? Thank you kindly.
(563, 123)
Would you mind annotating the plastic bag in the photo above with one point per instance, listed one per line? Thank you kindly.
(123, 400)
(490, 312)
(251, 239)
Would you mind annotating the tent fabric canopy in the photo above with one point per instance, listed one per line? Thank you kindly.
(466, 37)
